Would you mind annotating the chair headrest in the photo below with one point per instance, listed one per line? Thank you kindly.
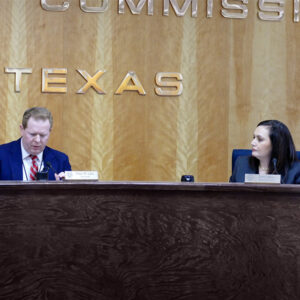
(239, 152)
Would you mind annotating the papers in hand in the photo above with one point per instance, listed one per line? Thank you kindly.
(265, 178)
(81, 175)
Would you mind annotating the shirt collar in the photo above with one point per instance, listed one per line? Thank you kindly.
(25, 154)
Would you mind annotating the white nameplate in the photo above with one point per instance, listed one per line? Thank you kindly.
(265, 178)
(81, 175)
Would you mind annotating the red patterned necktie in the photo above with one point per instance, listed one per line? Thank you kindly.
(34, 167)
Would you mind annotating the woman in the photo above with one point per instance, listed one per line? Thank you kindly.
(273, 152)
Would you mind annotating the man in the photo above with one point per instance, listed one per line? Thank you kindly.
(22, 159)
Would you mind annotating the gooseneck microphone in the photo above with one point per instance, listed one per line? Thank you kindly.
(48, 164)
(274, 161)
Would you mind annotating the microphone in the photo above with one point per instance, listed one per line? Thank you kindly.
(43, 175)
(274, 161)
(48, 164)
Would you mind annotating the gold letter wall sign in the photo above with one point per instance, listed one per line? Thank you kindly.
(91, 82)
(18, 72)
(136, 86)
(176, 86)
(47, 80)
(54, 80)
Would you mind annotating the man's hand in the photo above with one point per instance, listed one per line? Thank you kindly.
(59, 176)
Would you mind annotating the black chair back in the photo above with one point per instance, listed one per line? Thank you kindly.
(238, 152)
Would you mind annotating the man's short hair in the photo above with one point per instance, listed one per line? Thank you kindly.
(37, 113)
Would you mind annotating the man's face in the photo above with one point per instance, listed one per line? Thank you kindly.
(35, 136)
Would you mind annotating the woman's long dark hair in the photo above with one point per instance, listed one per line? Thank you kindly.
(283, 148)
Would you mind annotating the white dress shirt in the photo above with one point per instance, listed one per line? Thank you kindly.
(27, 162)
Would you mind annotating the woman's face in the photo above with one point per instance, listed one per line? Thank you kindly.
(261, 143)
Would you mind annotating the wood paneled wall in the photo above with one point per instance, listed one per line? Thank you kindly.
(235, 74)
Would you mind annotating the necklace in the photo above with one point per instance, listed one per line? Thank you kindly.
(264, 169)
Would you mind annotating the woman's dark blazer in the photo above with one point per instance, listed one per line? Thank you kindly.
(242, 166)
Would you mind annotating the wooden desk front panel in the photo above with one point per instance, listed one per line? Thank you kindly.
(135, 241)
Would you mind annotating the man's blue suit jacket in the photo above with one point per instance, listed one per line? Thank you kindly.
(242, 167)
(11, 164)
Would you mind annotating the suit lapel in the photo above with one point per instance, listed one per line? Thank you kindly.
(16, 161)
(48, 157)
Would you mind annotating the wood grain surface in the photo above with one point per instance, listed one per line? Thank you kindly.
(141, 241)
(235, 74)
